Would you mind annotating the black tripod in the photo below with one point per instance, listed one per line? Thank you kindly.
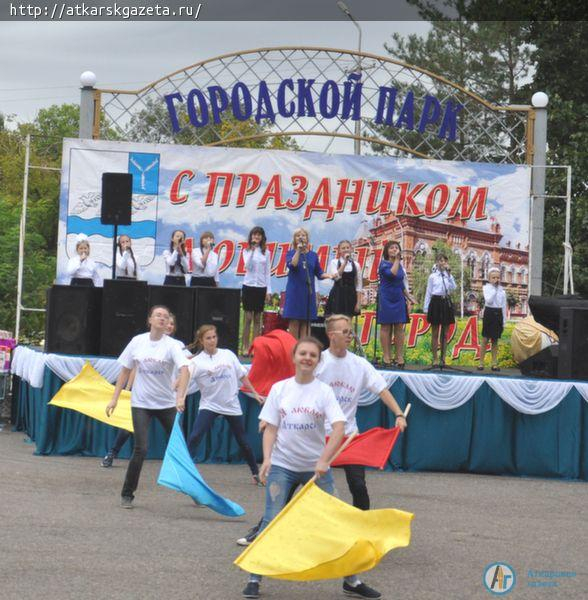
(308, 292)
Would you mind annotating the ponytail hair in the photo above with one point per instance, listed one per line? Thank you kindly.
(198, 335)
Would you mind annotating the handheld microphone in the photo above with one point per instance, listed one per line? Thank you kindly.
(211, 245)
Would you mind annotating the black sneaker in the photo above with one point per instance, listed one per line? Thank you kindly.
(257, 481)
(126, 502)
(107, 460)
(251, 590)
(360, 591)
(251, 535)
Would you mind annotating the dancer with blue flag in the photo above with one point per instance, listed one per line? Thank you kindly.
(179, 473)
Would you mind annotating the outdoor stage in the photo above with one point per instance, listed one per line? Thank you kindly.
(458, 422)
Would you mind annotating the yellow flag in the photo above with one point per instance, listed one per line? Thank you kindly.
(89, 393)
(318, 536)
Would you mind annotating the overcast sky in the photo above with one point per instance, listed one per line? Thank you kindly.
(40, 63)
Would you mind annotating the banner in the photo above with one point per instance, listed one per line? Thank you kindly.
(478, 209)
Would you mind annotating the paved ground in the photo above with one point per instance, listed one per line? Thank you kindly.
(63, 536)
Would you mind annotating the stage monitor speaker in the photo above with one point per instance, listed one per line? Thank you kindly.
(117, 194)
(124, 314)
(573, 343)
(220, 307)
(72, 324)
(546, 309)
(180, 300)
(319, 331)
(543, 364)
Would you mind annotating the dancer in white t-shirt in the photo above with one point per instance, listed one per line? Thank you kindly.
(218, 373)
(348, 375)
(154, 355)
(294, 447)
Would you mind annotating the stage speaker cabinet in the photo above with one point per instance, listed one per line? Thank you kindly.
(180, 300)
(72, 324)
(124, 314)
(117, 194)
(220, 307)
(543, 364)
(573, 343)
(319, 331)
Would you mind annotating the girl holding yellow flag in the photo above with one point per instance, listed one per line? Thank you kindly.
(154, 355)
(294, 447)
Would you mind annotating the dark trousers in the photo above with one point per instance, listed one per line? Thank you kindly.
(355, 475)
(203, 423)
(141, 419)
(121, 437)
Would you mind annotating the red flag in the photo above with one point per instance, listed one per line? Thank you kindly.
(370, 448)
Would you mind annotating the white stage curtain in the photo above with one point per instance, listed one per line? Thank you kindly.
(439, 391)
(531, 397)
(442, 392)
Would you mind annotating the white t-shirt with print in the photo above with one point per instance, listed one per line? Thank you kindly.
(218, 377)
(155, 362)
(299, 411)
(348, 377)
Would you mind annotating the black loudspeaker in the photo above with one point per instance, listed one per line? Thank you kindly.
(318, 329)
(546, 309)
(117, 193)
(180, 300)
(220, 307)
(573, 343)
(72, 324)
(543, 364)
(124, 314)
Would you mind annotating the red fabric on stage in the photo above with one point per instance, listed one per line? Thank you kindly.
(272, 360)
(370, 448)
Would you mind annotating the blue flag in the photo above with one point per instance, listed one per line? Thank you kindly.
(178, 472)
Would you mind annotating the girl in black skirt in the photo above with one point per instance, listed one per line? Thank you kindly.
(205, 262)
(438, 304)
(176, 260)
(494, 317)
(256, 284)
(345, 295)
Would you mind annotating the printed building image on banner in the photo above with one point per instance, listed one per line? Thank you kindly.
(479, 210)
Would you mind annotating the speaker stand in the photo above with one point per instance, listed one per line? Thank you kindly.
(114, 251)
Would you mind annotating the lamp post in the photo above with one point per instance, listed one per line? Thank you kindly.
(345, 10)
(88, 81)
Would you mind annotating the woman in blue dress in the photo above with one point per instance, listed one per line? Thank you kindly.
(393, 296)
(303, 266)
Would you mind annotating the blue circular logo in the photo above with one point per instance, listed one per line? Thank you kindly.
(499, 578)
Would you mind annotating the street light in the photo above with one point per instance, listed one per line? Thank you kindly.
(345, 10)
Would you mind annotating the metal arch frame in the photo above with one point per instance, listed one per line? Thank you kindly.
(361, 55)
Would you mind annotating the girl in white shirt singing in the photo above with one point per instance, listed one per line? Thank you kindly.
(256, 284)
(345, 295)
(494, 317)
(176, 261)
(294, 447)
(153, 355)
(81, 268)
(126, 265)
(205, 262)
(438, 304)
(218, 373)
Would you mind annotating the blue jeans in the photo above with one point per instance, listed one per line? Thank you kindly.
(280, 482)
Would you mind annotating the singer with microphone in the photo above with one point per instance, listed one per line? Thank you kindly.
(494, 317)
(81, 268)
(126, 264)
(257, 287)
(303, 267)
(176, 261)
(345, 295)
(439, 306)
(205, 262)
(393, 299)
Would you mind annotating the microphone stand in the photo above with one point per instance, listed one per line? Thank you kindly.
(308, 291)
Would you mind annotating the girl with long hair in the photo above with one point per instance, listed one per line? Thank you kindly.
(256, 284)
(393, 296)
(176, 260)
(345, 295)
(205, 262)
(218, 373)
(126, 264)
